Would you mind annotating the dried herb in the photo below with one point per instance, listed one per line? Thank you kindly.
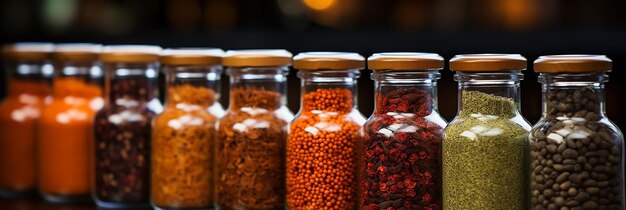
(484, 155)
(250, 163)
(575, 154)
(321, 152)
(401, 160)
(122, 142)
(182, 149)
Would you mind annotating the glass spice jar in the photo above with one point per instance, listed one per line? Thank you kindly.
(322, 143)
(184, 133)
(123, 127)
(400, 154)
(576, 152)
(66, 125)
(484, 148)
(28, 92)
(250, 162)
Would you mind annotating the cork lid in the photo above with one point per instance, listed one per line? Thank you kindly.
(76, 52)
(405, 61)
(573, 64)
(257, 58)
(192, 56)
(487, 62)
(328, 61)
(28, 51)
(130, 54)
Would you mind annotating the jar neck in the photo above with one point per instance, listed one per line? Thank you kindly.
(570, 95)
(405, 92)
(197, 85)
(81, 79)
(493, 93)
(28, 78)
(258, 87)
(131, 84)
(329, 91)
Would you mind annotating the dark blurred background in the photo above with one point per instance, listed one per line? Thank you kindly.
(448, 27)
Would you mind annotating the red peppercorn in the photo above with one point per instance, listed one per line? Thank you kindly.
(401, 153)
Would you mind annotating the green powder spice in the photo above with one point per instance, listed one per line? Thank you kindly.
(484, 155)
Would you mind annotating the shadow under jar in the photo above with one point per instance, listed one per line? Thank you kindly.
(123, 127)
(322, 143)
(27, 93)
(250, 157)
(484, 149)
(183, 135)
(576, 158)
(400, 154)
(66, 125)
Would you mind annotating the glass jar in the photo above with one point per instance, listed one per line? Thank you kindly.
(322, 143)
(66, 125)
(250, 162)
(123, 127)
(400, 154)
(28, 90)
(576, 152)
(485, 147)
(184, 133)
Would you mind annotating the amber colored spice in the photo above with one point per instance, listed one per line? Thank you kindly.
(18, 120)
(182, 149)
(321, 159)
(65, 137)
(251, 151)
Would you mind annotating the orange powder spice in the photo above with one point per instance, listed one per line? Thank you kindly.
(65, 137)
(182, 149)
(321, 159)
(18, 119)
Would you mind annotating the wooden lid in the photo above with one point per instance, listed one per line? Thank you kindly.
(573, 64)
(487, 62)
(130, 54)
(27, 51)
(76, 52)
(192, 56)
(405, 61)
(328, 61)
(257, 58)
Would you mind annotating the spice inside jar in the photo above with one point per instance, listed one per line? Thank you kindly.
(484, 148)
(66, 125)
(27, 94)
(575, 151)
(184, 133)
(123, 127)
(322, 143)
(400, 155)
(250, 157)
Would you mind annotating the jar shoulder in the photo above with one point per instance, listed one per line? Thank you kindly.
(560, 128)
(475, 127)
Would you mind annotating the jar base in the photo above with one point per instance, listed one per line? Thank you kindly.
(4, 193)
(65, 198)
(189, 208)
(121, 205)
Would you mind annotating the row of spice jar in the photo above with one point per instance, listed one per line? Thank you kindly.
(126, 150)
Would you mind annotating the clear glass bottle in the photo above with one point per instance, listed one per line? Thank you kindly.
(322, 143)
(28, 92)
(400, 154)
(576, 152)
(250, 157)
(485, 147)
(123, 127)
(66, 125)
(183, 135)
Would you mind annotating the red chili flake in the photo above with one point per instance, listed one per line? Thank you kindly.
(401, 164)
